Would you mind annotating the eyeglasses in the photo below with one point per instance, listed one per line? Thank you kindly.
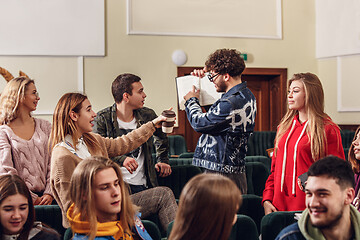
(212, 77)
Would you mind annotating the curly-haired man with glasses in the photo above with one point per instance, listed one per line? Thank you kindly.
(227, 125)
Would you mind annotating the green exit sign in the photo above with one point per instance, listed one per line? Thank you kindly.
(244, 56)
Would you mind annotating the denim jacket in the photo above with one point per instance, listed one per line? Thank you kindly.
(226, 128)
(106, 125)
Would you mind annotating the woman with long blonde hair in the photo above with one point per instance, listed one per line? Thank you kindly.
(24, 139)
(305, 134)
(72, 141)
(207, 208)
(107, 210)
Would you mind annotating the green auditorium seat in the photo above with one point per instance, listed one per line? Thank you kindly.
(177, 145)
(180, 161)
(244, 228)
(178, 178)
(347, 137)
(187, 155)
(150, 227)
(262, 159)
(251, 207)
(273, 223)
(256, 176)
(259, 141)
(51, 216)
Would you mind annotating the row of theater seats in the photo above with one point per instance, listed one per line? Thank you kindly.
(258, 142)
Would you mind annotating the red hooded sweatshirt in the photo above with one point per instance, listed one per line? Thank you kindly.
(293, 158)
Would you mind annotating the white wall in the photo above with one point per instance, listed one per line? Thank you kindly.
(150, 58)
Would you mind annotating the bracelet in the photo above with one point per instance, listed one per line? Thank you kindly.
(153, 124)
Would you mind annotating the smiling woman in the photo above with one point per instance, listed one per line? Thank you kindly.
(24, 139)
(72, 141)
(17, 212)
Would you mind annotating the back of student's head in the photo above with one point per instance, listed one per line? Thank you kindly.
(10, 98)
(224, 61)
(333, 167)
(122, 84)
(207, 207)
(81, 192)
(11, 185)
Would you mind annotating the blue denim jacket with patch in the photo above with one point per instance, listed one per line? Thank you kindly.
(226, 128)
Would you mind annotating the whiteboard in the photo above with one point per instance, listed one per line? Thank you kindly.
(218, 18)
(348, 77)
(337, 28)
(52, 27)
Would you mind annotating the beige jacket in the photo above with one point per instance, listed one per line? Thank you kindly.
(63, 162)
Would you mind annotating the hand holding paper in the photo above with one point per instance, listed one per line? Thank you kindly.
(205, 90)
(193, 93)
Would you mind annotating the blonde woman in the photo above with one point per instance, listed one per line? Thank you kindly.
(24, 139)
(108, 210)
(207, 208)
(305, 134)
(72, 141)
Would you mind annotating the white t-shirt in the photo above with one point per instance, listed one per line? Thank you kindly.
(138, 176)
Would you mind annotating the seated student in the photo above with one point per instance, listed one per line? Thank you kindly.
(24, 139)
(72, 140)
(101, 206)
(207, 208)
(329, 214)
(126, 114)
(354, 159)
(17, 212)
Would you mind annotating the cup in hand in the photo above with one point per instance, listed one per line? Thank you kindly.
(168, 125)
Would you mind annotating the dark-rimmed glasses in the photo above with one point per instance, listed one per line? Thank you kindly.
(212, 77)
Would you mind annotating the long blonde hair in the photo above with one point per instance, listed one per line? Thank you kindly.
(207, 206)
(81, 193)
(64, 125)
(317, 118)
(10, 97)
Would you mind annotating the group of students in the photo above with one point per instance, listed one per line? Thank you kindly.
(87, 186)
(305, 134)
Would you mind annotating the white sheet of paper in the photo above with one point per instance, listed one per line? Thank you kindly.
(208, 94)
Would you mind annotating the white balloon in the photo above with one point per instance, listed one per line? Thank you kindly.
(179, 57)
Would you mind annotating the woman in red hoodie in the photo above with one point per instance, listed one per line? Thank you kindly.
(305, 134)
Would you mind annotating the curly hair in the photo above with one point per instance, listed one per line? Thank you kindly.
(10, 98)
(224, 61)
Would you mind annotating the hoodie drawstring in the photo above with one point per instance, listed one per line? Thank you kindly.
(295, 156)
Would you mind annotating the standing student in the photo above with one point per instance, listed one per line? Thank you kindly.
(227, 125)
(107, 211)
(24, 139)
(354, 159)
(126, 114)
(305, 134)
(207, 209)
(17, 213)
(72, 141)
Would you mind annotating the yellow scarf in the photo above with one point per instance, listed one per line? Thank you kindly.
(113, 228)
